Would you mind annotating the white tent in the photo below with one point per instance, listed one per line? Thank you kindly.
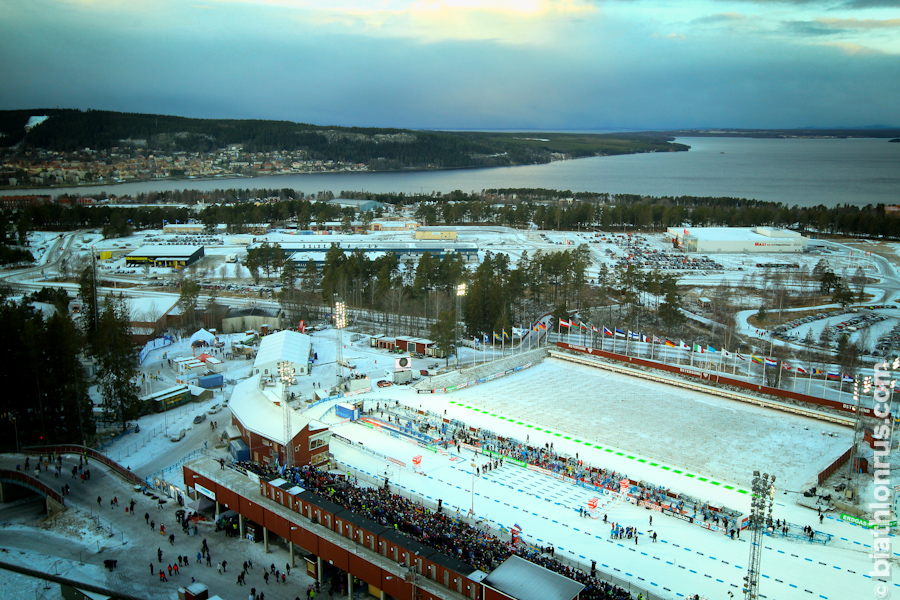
(203, 336)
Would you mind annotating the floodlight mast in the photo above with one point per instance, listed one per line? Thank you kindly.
(761, 503)
(286, 374)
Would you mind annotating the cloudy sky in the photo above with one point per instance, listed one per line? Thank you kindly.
(463, 64)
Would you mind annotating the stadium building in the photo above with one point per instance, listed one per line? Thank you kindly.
(738, 239)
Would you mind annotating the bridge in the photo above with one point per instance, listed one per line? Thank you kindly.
(12, 484)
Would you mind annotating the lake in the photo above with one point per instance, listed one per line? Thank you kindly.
(805, 172)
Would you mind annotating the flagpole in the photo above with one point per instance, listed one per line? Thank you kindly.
(475, 351)
(780, 372)
(809, 382)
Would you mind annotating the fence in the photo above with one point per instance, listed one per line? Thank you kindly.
(88, 453)
(833, 467)
(32, 483)
(715, 378)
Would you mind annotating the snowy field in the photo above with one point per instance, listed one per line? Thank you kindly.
(685, 560)
(710, 435)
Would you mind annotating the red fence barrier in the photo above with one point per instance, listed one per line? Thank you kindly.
(33, 483)
(721, 379)
(90, 453)
(837, 464)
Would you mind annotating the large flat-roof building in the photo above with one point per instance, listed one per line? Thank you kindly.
(237, 320)
(738, 239)
(174, 255)
(291, 346)
(360, 205)
(303, 252)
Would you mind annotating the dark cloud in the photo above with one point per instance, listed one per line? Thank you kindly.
(810, 28)
(719, 19)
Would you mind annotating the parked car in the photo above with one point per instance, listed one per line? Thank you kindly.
(215, 408)
(423, 372)
(199, 419)
(177, 437)
(384, 383)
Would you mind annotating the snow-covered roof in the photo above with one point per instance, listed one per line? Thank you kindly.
(735, 234)
(175, 250)
(150, 309)
(255, 408)
(286, 345)
(524, 580)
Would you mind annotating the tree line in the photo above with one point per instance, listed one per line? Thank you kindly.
(46, 397)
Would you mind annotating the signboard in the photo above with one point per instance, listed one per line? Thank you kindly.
(209, 494)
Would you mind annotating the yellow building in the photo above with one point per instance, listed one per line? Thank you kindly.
(436, 233)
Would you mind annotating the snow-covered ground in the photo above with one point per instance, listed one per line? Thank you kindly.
(685, 560)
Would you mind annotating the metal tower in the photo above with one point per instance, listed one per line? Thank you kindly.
(760, 519)
(286, 374)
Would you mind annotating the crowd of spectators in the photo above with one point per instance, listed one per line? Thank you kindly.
(439, 530)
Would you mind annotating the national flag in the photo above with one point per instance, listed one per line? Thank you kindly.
(486, 340)
(656, 340)
(565, 323)
(670, 343)
(847, 378)
(583, 326)
(686, 232)
(645, 338)
(606, 331)
(771, 362)
(740, 356)
(594, 329)
(505, 335)
(684, 346)
(756, 359)
(817, 371)
(710, 349)
(833, 376)
(801, 370)
(165, 222)
(517, 526)
(619, 332)
(542, 326)
(496, 337)
(726, 353)
(634, 336)
(785, 366)
(697, 348)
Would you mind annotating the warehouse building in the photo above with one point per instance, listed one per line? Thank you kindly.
(178, 256)
(737, 239)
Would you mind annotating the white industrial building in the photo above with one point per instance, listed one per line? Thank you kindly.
(738, 239)
(290, 346)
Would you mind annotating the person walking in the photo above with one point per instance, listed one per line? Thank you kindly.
(266, 577)
(147, 518)
(219, 567)
(175, 568)
(198, 557)
(225, 566)
(162, 575)
(159, 555)
(99, 502)
(152, 569)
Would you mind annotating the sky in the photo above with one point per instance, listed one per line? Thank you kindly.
(463, 64)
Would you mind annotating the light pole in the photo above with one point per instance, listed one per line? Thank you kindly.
(286, 373)
(340, 322)
(760, 517)
(460, 292)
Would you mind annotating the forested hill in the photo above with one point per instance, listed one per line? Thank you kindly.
(73, 130)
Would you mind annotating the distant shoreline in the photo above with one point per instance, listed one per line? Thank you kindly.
(232, 177)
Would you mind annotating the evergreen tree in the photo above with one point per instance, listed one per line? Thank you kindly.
(116, 355)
